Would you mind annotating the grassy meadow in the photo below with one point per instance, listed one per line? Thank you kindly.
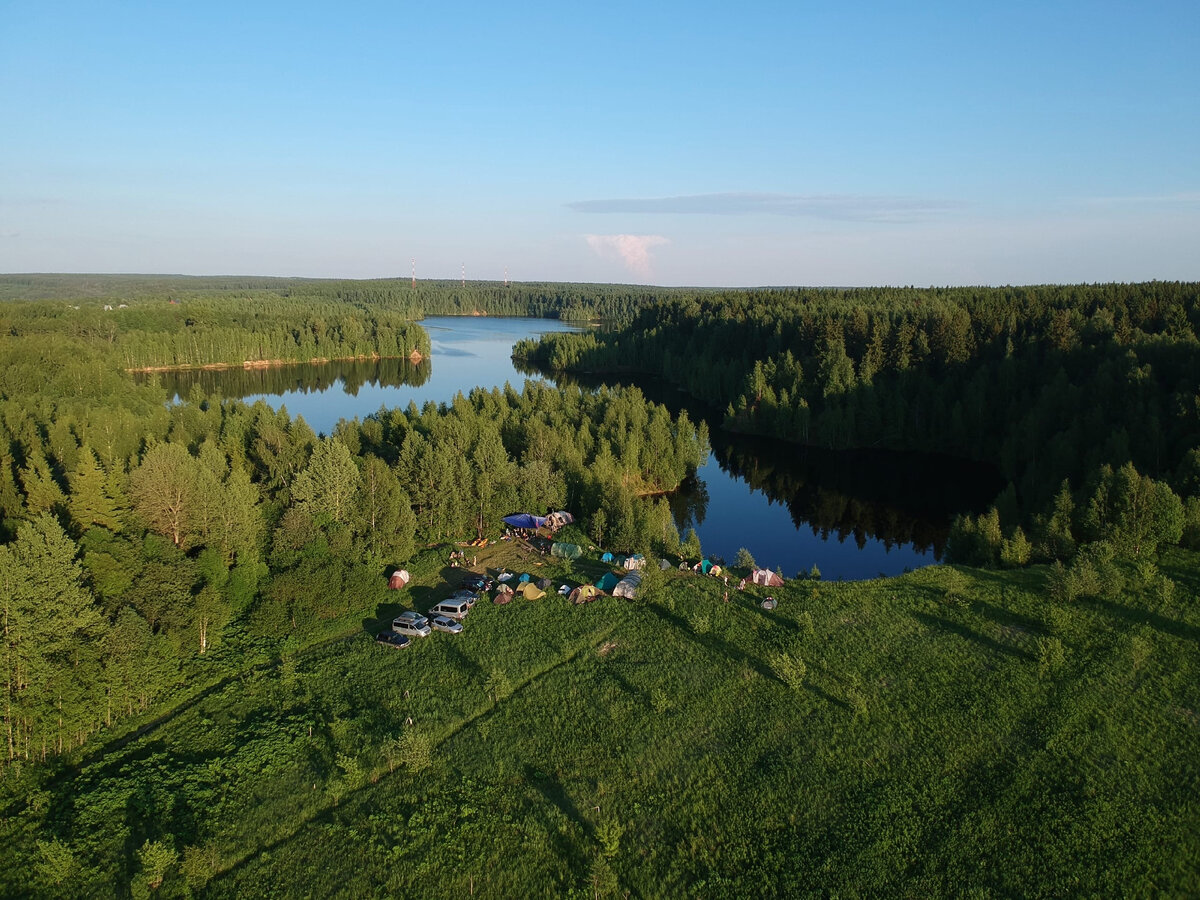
(948, 732)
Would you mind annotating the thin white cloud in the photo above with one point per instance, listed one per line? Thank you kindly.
(1183, 198)
(846, 207)
(632, 249)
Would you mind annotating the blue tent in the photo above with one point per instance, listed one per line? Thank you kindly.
(607, 581)
(524, 520)
(607, 557)
(523, 578)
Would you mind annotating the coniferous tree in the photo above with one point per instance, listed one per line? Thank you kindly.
(91, 502)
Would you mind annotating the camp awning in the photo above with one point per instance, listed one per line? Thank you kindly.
(524, 520)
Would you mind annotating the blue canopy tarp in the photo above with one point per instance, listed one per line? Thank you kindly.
(524, 520)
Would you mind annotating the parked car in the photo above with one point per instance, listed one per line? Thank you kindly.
(411, 623)
(442, 623)
(463, 594)
(473, 581)
(452, 609)
(392, 639)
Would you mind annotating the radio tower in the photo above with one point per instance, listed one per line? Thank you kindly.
(414, 281)
(464, 275)
(506, 276)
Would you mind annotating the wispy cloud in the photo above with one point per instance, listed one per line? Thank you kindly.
(1183, 198)
(631, 249)
(847, 207)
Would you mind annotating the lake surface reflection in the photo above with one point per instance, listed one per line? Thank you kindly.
(853, 514)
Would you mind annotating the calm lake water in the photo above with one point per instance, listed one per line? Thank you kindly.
(852, 514)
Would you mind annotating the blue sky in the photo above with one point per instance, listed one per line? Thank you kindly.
(670, 143)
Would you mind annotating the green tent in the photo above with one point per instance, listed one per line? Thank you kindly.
(531, 591)
(565, 551)
(607, 581)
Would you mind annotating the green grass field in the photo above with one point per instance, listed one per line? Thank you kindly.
(950, 732)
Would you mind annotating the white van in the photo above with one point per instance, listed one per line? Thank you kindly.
(456, 609)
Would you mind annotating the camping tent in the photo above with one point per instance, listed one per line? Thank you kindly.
(524, 520)
(530, 591)
(543, 583)
(566, 551)
(766, 577)
(769, 603)
(607, 557)
(524, 577)
(399, 579)
(664, 565)
(633, 563)
(627, 586)
(607, 581)
(585, 593)
(715, 571)
(504, 594)
(559, 519)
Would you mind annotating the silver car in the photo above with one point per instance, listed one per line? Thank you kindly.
(411, 623)
(442, 623)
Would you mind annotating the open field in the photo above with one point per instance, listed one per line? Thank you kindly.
(952, 732)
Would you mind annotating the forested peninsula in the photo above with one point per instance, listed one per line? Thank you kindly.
(190, 589)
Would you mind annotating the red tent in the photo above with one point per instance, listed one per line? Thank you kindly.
(766, 577)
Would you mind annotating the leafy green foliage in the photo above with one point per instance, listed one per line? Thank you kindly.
(189, 589)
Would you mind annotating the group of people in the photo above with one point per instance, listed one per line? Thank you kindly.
(459, 558)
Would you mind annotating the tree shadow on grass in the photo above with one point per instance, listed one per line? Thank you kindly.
(712, 642)
(463, 665)
(1008, 618)
(963, 631)
(1135, 616)
(614, 673)
(556, 796)
(721, 646)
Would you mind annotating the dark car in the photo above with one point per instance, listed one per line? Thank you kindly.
(392, 639)
(473, 581)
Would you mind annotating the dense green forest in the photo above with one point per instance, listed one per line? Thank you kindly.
(572, 302)
(194, 705)
(1052, 384)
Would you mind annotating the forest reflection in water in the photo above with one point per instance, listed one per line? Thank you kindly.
(898, 500)
(305, 378)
